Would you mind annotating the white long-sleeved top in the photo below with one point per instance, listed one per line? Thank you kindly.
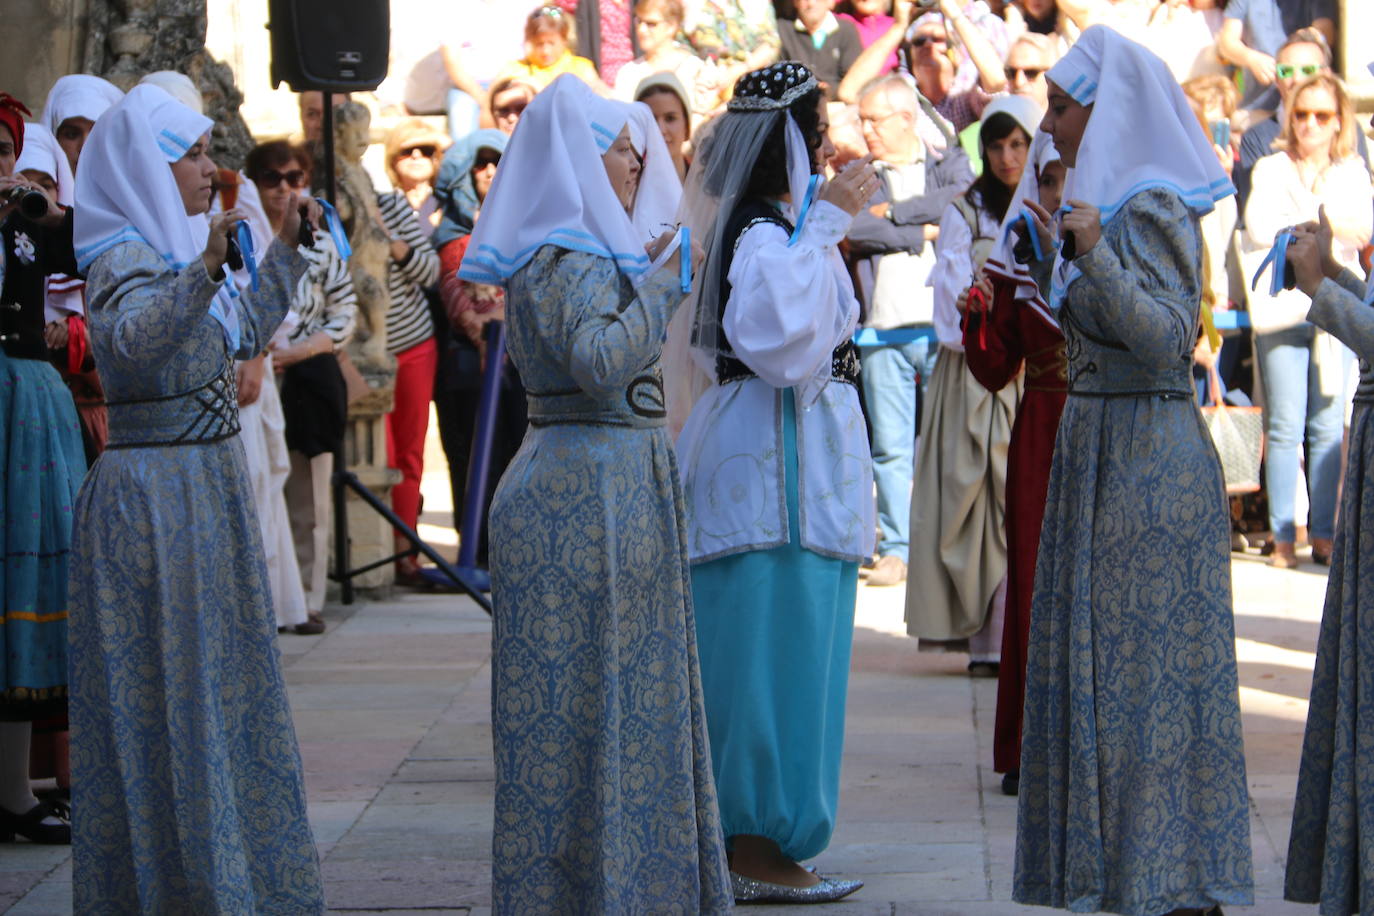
(789, 308)
(954, 270)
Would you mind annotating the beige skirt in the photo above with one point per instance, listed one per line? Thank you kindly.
(958, 551)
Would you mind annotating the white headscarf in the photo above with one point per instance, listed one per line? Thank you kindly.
(1142, 134)
(178, 86)
(126, 191)
(551, 188)
(79, 95)
(1002, 262)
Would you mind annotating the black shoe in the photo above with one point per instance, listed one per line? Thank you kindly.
(313, 626)
(31, 826)
(1011, 783)
(983, 669)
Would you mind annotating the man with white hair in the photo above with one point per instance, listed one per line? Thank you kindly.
(891, 245)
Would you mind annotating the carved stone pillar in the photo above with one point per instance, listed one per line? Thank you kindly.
(371, 371)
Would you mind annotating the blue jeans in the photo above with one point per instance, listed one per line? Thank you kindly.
(1294, 400)
(464, 114)
(894, 378)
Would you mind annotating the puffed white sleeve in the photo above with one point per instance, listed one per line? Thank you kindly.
(790, 306)
(952, 274)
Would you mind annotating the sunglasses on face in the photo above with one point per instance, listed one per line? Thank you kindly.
(1322, 118)
(426, 150)
(1288, 71)
(513, 110)
(920, 41)
(271, 178)
(1030, 73)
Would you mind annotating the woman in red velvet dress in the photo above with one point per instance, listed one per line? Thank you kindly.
(1015, 328)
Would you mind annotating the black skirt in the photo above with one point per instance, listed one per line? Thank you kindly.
(314, 402)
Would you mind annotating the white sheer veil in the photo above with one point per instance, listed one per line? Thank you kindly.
(726, 151)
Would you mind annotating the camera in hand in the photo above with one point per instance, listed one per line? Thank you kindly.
(33, 204)
(1023, 249)
(306, 235)
(232, 255)
(1068, 246)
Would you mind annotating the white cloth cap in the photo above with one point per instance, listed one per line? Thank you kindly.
(42, 154)
(551, 188)
(79, 95)
(1142, 133)
(126, 190)
(1023, 110)
(178, 86)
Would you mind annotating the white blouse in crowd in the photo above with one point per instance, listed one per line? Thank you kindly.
(789, 308)
(954, 270)
(1279, 198)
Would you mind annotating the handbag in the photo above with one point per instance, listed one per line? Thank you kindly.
(1238, 434)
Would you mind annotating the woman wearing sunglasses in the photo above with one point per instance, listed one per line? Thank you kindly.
(409, 215)
(321, 320)
(1303, 368)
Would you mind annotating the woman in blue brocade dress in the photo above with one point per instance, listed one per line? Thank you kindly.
(1331, 847)
(188, 793)
(1133, 794)
(604, 800)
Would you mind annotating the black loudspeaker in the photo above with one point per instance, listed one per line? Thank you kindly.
(329, 45)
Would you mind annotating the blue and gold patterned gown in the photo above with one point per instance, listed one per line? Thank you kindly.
(1331, 848)
(188, 793)
(604, 798)
(1133, 794)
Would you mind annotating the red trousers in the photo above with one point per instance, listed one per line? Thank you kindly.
(407, 423)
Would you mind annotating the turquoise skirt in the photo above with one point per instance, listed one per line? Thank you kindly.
(774, 631)
(40, 445)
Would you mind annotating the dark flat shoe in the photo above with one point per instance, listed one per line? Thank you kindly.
(31, 827)
(313, 626)
(1011, 783)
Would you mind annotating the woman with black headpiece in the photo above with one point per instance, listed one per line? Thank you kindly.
(777, 475)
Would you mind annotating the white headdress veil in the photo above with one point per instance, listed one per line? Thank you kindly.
(551, 188)
(726, 151)
(79, 95)
(1002, 262)
(1142, 133)
(126, 192)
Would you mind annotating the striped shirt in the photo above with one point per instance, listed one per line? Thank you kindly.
(408, 323)
(325, 300)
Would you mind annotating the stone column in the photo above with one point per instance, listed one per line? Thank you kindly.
(371, 372)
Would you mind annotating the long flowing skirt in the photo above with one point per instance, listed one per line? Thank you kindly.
(1331, 847)
(604, 801)
(188, 792)
(958, 553)
(269, 464)
(1133, 794)
(775, 629)
(40, 445)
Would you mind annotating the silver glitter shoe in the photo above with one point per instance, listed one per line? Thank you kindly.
(751, 890)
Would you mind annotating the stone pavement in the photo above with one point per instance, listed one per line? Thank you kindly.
(392, 713)
(392, 707)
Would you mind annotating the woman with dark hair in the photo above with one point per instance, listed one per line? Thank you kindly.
(667, 99)
(957, 562)
(313, 396)
(776, 474)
